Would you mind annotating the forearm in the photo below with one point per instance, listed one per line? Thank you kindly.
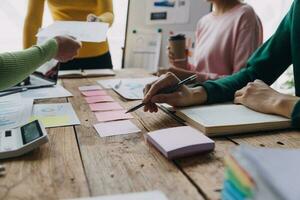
(16, 66)
(285, 105)
(33, 21)
(296, 115)
(288, 106)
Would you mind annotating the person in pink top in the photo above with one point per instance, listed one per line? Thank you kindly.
(225, 39)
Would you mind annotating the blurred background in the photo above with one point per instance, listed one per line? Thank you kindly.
(12, 13)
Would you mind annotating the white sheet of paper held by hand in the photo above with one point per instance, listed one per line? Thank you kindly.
(83, 31)
(116, 128)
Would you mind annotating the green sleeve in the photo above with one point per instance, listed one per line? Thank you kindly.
(266, 64)
(296, 116)
(16, 66)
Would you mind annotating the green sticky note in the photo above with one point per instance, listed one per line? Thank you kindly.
(53, 121)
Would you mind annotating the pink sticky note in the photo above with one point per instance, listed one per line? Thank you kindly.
(94, 93)
(106, 106)
(99, 99)
(112, 115)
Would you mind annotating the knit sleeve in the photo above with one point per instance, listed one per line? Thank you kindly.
(296, 116)
(16, 66)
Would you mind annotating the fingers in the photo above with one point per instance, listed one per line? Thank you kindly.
(239, 92)
(238, 100)
(164, 81)
(151, 107)
(171, 99)
(91, 18)
(147, 87)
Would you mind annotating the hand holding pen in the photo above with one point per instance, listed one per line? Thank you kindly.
(168, 89)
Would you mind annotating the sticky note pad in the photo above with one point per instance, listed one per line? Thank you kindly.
(98, 99)
(112, 115)
(94, 93)
(90, 88)
(180, 141)
(106, 106)
(116, 128)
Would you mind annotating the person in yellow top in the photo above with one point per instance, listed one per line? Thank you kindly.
(91, 55)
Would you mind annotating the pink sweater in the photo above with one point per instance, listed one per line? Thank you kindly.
(224, 43)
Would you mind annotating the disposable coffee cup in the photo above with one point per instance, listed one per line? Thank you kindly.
(177, 45)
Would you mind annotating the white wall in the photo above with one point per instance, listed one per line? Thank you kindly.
(271, 13)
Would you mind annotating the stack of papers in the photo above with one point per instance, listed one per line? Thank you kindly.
(83, 31)
(262, 173)
(55, 115)
(14, 111)
(56, 91)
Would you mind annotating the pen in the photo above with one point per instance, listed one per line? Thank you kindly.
(166, 91)
(13, 92)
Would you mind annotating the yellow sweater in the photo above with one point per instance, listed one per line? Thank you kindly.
(68, 10)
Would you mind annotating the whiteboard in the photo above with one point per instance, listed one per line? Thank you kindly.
(138, 21)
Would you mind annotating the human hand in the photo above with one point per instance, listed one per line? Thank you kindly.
(183, 97)
(68, 48)
(93, 18)
(262, 98)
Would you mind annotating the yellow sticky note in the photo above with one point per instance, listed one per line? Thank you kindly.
(53, 121)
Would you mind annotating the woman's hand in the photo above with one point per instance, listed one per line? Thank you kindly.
(93, 18)
(262, 98)
(68, 48)
(183, 97)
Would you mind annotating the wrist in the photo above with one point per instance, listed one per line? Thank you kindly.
(285, 105)
(199, 95)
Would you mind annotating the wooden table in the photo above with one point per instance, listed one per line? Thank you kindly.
(78, 163)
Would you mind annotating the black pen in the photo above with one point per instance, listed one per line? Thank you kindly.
(167, 90)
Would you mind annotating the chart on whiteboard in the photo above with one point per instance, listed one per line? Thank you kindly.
(146, 50)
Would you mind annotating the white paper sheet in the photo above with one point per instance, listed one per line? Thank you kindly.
(14, 111)
(131, 89)
(153, 195)
(116, 128)
(54, 115)
(83, 31)
(47, 93)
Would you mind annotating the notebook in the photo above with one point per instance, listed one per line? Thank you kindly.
(85, 73)
(225, 119)
(180, 142)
